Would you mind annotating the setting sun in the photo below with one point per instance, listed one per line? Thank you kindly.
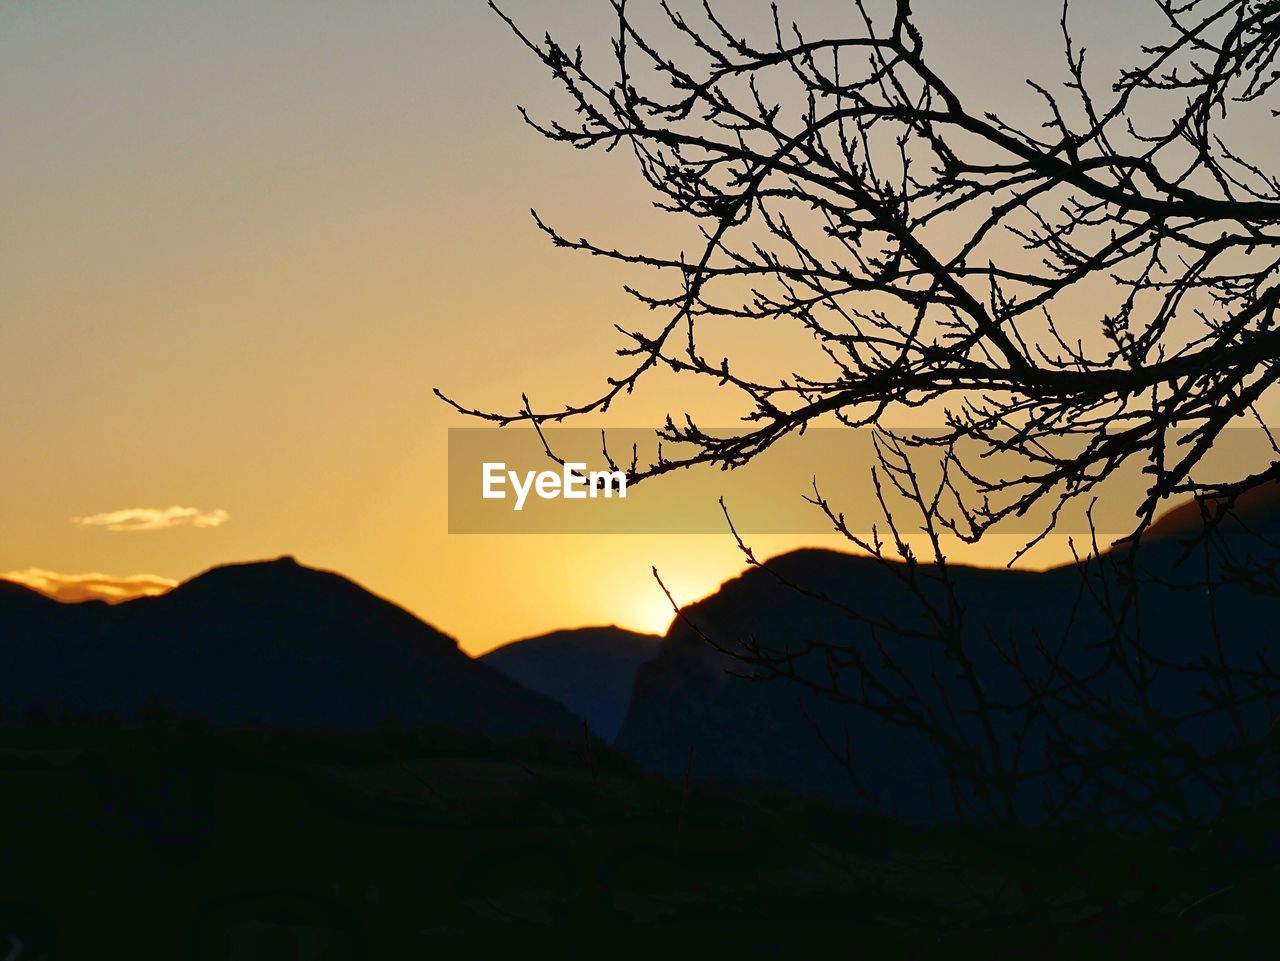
(646, 614)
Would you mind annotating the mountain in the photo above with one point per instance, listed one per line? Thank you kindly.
(692, 709)
(693, 699)
(20, 605)
(591, 671)
(1256, 509)
(272, 643)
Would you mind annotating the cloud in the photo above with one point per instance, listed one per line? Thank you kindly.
(133, 519)
(91, 587)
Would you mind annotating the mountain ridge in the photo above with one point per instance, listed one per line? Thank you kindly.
(271, 642)
(590, 670)
(692, 711)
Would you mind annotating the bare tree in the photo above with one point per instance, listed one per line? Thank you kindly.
(1093, 290)
(1096, 288)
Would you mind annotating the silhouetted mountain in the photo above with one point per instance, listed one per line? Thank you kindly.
(688, 697)
(591, 671)
(21, 605)
(273, 643)
(692, 696)
(1256, 509)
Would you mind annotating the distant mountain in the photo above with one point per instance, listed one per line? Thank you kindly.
(690, 705)
(1256, 509)
(19, 604)
(274, 643)
(693, 697)
(591, 671)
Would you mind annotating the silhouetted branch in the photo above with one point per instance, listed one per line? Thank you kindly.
(1070, 292)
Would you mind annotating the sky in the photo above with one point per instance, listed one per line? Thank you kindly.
(242, 243)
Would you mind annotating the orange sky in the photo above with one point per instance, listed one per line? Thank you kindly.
(243, 241)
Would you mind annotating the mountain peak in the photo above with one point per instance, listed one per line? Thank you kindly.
(1257, 507)
(590, 670)
(278, 576)
(271, 642)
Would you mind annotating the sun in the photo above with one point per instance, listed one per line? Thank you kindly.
(647, 614)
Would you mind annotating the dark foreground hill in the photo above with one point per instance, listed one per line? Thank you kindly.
(591, 670)
(171, 840)
(324, 833)
(1130, 708)
(274, 644)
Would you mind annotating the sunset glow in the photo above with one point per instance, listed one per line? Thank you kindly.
(238, 261)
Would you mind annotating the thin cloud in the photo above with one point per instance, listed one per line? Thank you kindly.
(134, 519)
(91, 587)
